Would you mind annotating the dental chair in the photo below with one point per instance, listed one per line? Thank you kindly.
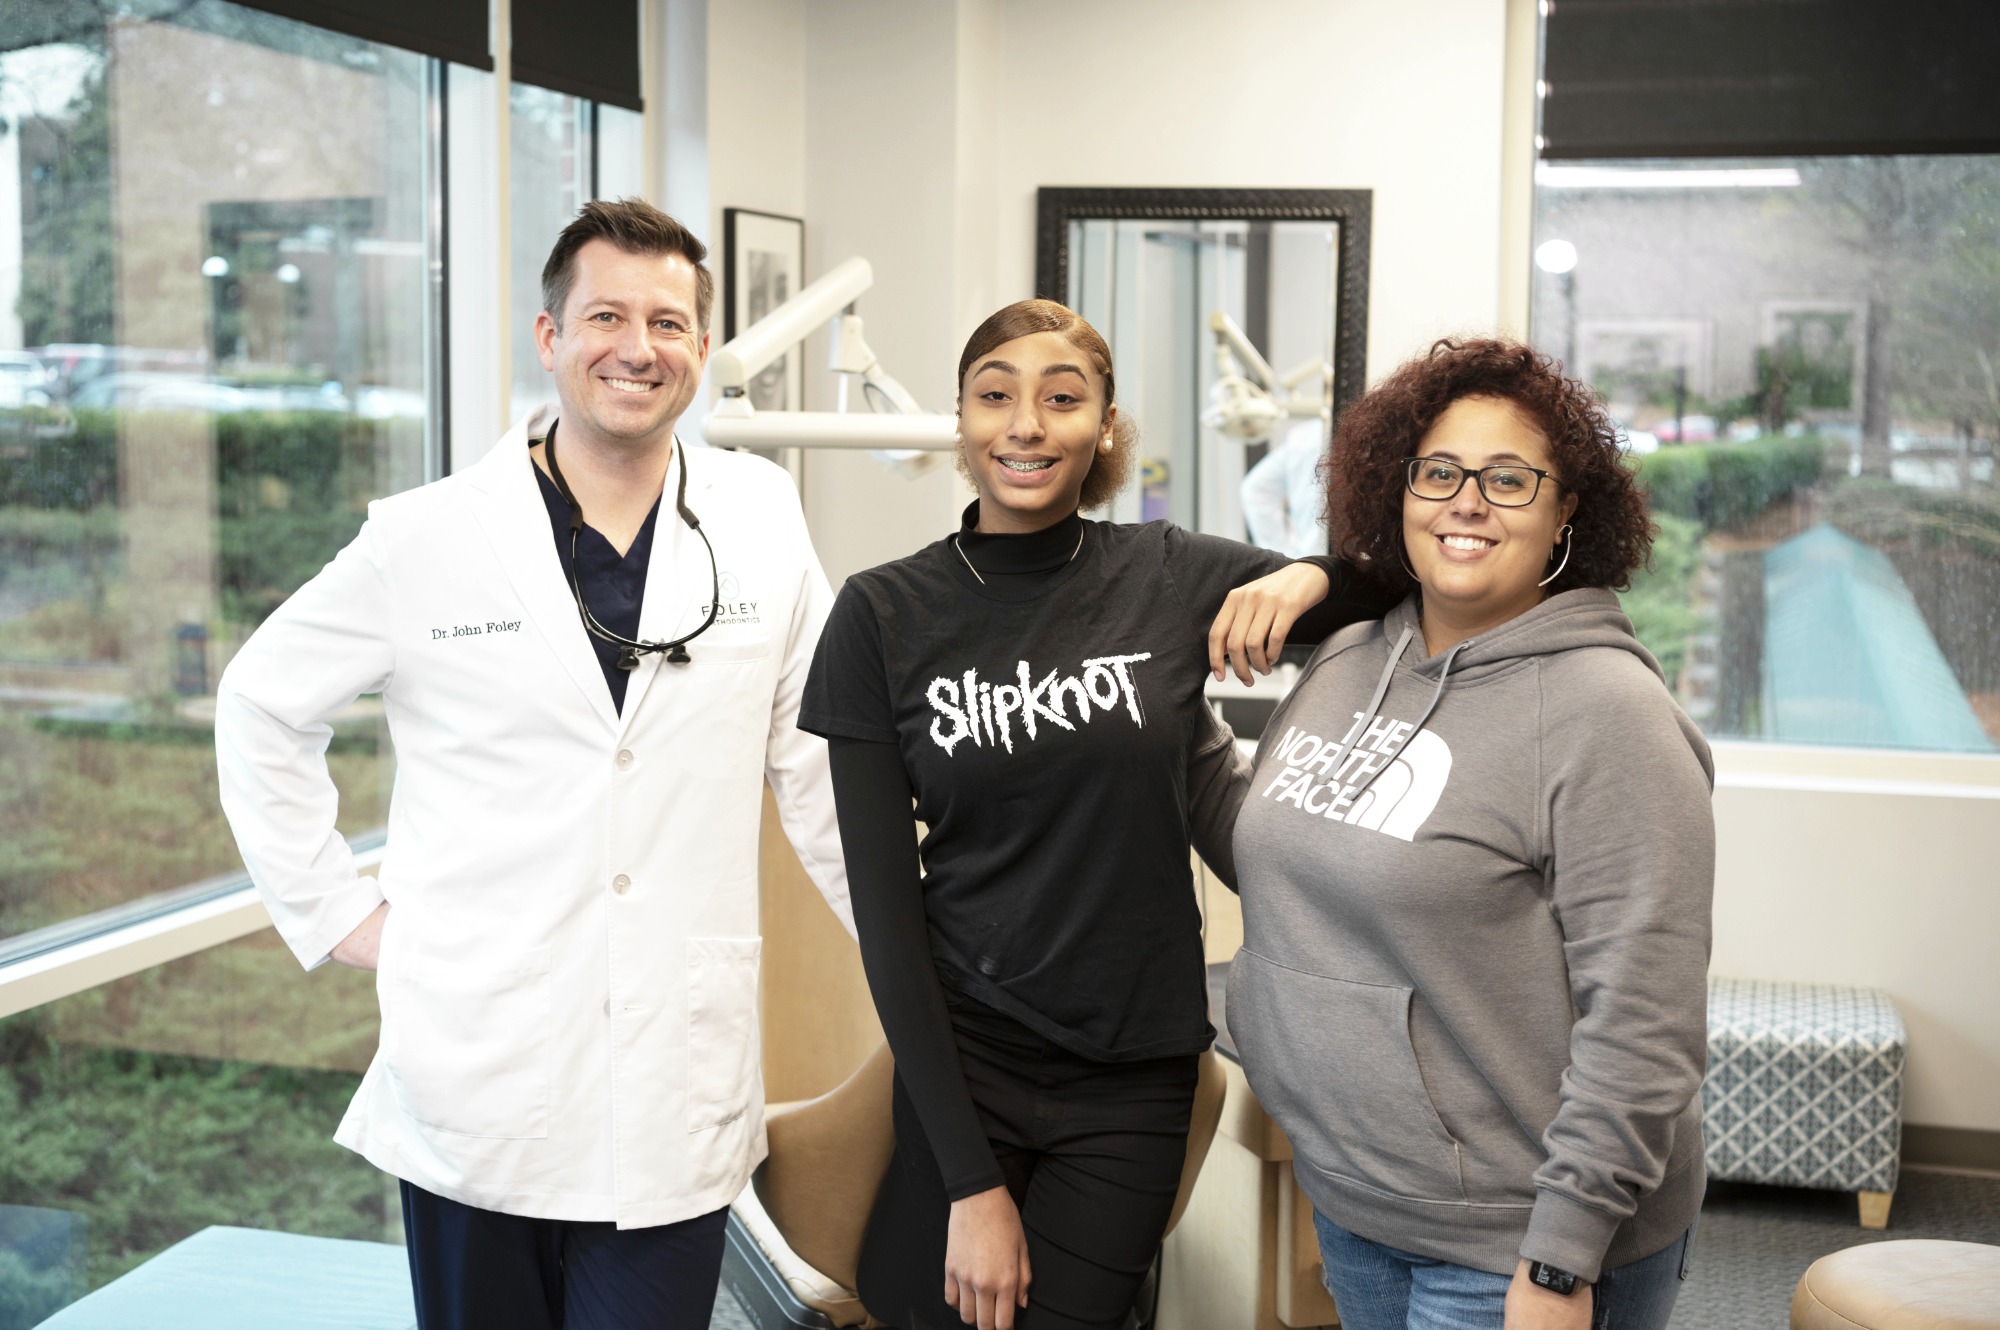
(795, 1233)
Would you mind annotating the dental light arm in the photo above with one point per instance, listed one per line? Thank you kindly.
(894, 420)
(1229, 340)
(1248, 401)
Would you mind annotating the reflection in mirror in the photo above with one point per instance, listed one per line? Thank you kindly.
(1223, 334)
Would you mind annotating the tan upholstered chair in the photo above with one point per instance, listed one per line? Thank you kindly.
(1908, 1285)
(809, 1202)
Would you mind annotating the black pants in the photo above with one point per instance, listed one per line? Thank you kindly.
(1091, 1151)
(478, 1270)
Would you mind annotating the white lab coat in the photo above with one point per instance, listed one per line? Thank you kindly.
(1284, 501)
(568, 978)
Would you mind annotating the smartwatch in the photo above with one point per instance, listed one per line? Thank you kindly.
(1552, 1279)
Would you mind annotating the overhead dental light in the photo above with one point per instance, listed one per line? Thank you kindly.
(1248, 401)
(893, 425)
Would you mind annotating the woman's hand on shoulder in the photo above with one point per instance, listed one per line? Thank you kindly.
(986, 1272)
(1249, 632)
(1530, 1307)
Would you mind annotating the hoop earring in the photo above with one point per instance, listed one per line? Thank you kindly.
(1568, 542)
(1403, 558)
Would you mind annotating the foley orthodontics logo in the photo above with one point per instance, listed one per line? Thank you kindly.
(987, 713)
(1408, 776)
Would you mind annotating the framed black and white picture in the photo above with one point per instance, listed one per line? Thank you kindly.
(763, 263)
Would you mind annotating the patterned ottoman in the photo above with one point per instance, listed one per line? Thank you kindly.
(1805, 1088)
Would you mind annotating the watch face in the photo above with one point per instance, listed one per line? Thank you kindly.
(1550, 1278)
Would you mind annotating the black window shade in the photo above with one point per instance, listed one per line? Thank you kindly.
(587, 48)
(456, 30)
(1733, 78)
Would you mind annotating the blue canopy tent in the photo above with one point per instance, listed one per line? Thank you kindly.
(1848, 658)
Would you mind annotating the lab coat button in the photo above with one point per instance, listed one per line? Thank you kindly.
(624, 758)
(621, 884)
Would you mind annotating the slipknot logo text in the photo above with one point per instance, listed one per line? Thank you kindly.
(987, 713)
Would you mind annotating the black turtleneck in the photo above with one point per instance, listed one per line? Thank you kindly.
(1039, 697)
(1018, 564)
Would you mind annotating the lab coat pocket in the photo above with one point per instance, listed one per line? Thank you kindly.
(725, 1072)
(468, 1045)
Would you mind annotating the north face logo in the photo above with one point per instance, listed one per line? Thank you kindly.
(1409, 776)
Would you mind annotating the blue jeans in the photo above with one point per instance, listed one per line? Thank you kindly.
(1381, 1288)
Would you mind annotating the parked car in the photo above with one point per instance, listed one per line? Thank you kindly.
(1688, 429)
(24, 381)
(147, 390)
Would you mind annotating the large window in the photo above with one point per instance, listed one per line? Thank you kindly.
(217, 341)
(1806, 356)
(213, 352)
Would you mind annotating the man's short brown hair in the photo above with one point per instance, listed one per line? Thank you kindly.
(636, 227)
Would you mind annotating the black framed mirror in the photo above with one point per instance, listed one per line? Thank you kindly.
(1238, 320)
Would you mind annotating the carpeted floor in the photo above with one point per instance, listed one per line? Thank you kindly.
(1755, 1242)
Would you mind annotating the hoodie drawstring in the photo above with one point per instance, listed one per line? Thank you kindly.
(1375, 704)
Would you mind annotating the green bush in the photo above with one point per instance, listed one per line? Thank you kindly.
(1720, 485)
(1660, 603)
(290, 491)
(153, 1148)
(58, 460)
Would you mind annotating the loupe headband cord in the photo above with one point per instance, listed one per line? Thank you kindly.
(631, 649)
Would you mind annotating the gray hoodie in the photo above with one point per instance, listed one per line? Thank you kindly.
(1476, 895)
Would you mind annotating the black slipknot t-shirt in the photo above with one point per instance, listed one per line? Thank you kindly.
(1046, 725)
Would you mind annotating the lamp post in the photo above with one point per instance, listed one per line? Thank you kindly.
(1558, 259)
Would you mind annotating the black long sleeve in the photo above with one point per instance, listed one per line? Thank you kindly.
(1205, 569)
(1218, 779)
(1352, 597)
(872, 794)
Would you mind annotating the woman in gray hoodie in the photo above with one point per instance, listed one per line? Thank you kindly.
(1476, 856)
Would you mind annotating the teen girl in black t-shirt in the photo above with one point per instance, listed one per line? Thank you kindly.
(1034, 683)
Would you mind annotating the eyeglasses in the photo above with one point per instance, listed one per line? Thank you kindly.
(1435, 479)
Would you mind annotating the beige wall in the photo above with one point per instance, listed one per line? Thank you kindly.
(882, 117)
(756, 109)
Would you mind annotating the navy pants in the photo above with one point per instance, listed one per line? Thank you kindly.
(474, 1269)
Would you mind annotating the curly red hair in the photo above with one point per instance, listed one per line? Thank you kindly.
(1612, 534)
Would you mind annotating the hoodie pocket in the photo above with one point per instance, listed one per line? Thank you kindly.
(1331, 1060)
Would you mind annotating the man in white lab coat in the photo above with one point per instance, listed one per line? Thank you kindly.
(590, 647)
